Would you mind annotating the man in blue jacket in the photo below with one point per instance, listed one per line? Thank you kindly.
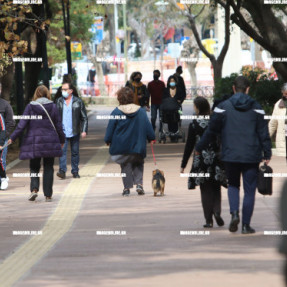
(245, 143)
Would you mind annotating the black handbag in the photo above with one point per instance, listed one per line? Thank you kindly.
(264, 183)
(190, 183)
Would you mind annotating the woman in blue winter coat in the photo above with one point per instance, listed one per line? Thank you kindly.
(126, 134)
(44, 139)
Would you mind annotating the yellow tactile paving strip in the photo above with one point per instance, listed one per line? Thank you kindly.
(17, 264)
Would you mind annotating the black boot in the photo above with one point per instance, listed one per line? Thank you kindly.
(233, 226)
(247, 229)
(218, 219)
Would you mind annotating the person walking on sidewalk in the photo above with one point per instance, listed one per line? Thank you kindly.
(278, 124)
(207, 163)
(75, 123)
(4, 180)
(127, 138)
(43, 139)
(7, 113)
(283, 221)
(245, 143)
(172, 100)
(180, 81)
(91, 81)
(141, 94)
(156, 89)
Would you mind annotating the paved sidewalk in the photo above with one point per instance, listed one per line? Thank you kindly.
(152, 253)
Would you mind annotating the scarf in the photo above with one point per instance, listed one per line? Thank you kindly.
(135, 87)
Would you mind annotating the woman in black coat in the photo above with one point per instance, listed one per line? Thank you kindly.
(141, 94)
(172, 99)
(206, 170)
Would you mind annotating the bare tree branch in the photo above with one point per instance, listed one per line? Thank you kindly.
(227, 33)
(238, 19)
(202, 9)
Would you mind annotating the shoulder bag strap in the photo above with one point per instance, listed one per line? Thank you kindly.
(47, 115)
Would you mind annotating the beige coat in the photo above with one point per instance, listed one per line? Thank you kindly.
(278, 126)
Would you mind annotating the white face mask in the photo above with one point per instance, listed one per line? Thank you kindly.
(65, 94)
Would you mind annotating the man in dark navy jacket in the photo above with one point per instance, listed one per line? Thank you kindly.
(245, 143)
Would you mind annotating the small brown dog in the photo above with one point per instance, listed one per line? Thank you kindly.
(158, 182)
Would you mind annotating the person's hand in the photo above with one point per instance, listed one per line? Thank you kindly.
(196, 152)
(0, 147)
(266, 161)
(182, 170)
(62, 145)
(84, 135)
(108, 144)
(10, 141)
(147, 109)
(140, 97)
(153, 142)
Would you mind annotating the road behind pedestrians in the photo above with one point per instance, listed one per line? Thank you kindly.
(151, 251)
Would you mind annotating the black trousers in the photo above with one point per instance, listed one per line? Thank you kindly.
(210, 199)
(48, 175)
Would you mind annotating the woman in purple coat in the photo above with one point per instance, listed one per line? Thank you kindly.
(44, 138)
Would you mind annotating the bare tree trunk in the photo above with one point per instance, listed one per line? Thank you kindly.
(7, 82)
(100, 77)
(217, 63)
(154, 54)
(145, 45)
(267, 29)
(32, 70)
(145, 41)
(161, 56)
(98, 65)
(111, 24)
(217, 69)
(191, 69)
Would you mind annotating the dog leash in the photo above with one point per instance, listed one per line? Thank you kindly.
(151, 144)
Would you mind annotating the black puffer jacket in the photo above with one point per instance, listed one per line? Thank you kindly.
(244, 131)
(79, 114)
(169, 103)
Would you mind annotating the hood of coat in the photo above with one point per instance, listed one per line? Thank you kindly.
(41, 101)
(242, 102)
(130, 110)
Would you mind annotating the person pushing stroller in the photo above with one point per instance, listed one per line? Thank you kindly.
(173, 97)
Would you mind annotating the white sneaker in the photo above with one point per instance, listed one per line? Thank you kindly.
(4, 183)
(33, 196)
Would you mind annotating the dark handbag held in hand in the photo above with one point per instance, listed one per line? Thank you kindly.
(264, 183)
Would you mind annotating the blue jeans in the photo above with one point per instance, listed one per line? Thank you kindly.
(154, 109)
(3, 156)
(250, 173)
(75, 144)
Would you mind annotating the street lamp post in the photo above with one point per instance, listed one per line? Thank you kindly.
(126, 42)
(66, 17)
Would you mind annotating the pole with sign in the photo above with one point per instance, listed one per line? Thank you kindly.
(76, 49)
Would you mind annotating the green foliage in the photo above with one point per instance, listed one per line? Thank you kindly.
(12, 19)
(56, 55)
(5, 61)
(223, 86)
(81, 19)
(267, 92)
